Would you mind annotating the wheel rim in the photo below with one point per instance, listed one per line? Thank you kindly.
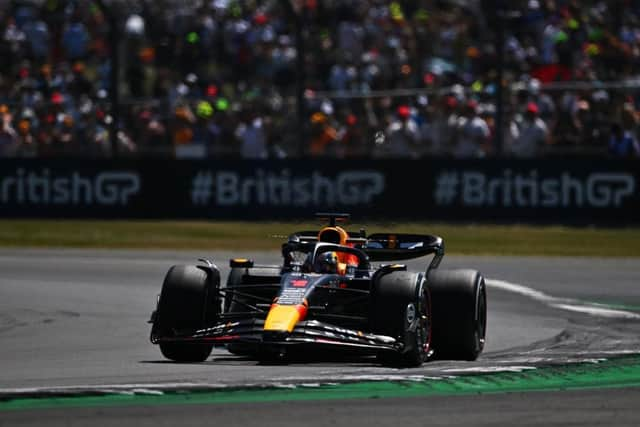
(423, 331)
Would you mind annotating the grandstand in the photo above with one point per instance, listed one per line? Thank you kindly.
(344, 79)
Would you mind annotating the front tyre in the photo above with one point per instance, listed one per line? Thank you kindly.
(459, 299)
(184, 353)
(401, 308)
(188, 302)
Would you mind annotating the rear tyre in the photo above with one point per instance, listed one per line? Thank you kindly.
(459, 313)
(401, 308)
(188, 302)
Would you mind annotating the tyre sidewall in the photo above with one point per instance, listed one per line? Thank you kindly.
(459, 313)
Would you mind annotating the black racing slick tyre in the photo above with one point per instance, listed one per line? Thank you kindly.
(188, 302)
(459, 308)
(401, 308)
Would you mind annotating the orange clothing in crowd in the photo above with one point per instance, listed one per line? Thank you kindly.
(319, 143)
(182, 135)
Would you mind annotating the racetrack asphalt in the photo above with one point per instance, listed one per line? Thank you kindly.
(76, 319)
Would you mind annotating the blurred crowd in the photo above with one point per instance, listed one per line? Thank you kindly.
(382, 78)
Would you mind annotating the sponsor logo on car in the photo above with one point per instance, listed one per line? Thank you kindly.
(299, 283)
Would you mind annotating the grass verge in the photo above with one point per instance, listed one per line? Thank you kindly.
(470, 239)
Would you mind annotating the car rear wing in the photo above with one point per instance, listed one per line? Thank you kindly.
(396, 247)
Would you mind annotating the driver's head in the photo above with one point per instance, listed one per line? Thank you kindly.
(326, 262)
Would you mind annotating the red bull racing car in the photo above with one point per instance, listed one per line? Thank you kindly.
(335, 289)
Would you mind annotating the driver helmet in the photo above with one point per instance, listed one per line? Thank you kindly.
(326, 262)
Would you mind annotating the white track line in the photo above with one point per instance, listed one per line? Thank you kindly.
(111, 388)
(562, 303)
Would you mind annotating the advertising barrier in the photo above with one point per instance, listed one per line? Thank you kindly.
(562, 191)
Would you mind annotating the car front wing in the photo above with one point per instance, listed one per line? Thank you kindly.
(251, 331)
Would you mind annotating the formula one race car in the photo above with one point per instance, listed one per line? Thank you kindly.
(326, 294)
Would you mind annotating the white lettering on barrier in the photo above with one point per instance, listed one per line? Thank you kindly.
(44, 188)
(478, 189)
(359, 187)
(606, 188)
(113, 188)
(229, 188)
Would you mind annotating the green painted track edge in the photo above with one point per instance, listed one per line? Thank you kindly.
(612, 373)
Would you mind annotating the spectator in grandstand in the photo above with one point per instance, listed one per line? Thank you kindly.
(25, 142)
(472, 134)
(585, 124)
(602, 111)
(227, 121)
(443, 126)
(64, 141)
(566, 128)
(253, 136)
(623, 142)
(528, 134)
(75, 38)
(351, 138)
(529, 91)
(182, 130)
(39, 38)
(8, 135)
(324, 136)
(99, 144)
(78, 84)
(425, 121)
(44, 134)
(402, 136)
(85, 127)
(151, 133)
(205, 130)
(487, 112)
